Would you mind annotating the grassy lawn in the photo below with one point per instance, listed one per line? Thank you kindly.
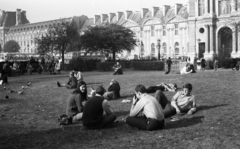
(29, 120)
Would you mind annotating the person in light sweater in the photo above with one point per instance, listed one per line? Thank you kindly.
(182, 102)
(145, 113)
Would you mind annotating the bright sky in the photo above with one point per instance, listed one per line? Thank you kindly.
(44, 10)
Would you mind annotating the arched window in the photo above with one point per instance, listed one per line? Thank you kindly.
(201, 7)
(153, 50)
(176, 47)
(164, 47)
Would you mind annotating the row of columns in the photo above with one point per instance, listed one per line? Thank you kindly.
(215, 8)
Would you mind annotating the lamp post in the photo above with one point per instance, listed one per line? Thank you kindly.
(158, 46)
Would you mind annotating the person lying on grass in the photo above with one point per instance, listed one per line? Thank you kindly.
(182, 102)
(74, 108)
(112, 93)
(93, 117)
(145, 113)
(72, 82)
(162, 87)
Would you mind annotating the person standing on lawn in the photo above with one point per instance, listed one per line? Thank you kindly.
(182, 102)
(169, 64)
(146, 113)
(74, 108)
(72, 82)
(93, 117)
(215, 65)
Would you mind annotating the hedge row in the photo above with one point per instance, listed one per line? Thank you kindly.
(154, 65)
(81, 65)
(106, 66)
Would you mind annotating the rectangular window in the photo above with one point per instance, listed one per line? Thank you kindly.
(201, 8)
(152, 31)
(164, 30)
(176, 29)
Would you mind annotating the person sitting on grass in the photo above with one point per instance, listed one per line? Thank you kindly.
(112, 93)
(117, 69)
(74, 108)
(163, 87)
(145, 113)
(93, 117)
(72, 82)
(182, 102)
(78, 75)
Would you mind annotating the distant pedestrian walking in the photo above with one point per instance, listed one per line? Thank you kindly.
(203, 64)
(169, 64)
(215, 65)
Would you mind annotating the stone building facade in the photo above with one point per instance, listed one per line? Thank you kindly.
(15, 26)
(201, 28)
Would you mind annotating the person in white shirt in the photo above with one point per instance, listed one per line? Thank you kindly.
(182, 102)
(146, 113)
(186, 69)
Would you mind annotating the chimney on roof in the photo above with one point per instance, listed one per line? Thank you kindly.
(154, 10)
(119, 15)
(104, 17)
(128, 13)
(96, 18)
(165, 9)
(177, 8)
(144, 11)
(18, 17)
(112, 15)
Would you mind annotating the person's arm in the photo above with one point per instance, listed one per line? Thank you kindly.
(174, 102)
(136, 107)
(78, 99)
(194, 106)
(106, 107)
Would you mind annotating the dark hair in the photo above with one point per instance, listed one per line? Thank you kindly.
(188, 86)
(100, 90)
(140, 88)
(77, 90)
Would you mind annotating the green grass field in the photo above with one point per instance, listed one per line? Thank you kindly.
(30, 120)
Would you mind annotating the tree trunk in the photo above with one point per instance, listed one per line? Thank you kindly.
(113, 52)
(62, 57)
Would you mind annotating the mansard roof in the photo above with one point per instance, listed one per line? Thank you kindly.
(8, 19)
(183, 12)
(135, 16)
(87, 23)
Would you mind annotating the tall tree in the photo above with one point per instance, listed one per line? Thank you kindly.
(11, 46)
(45, 44)
(59, 37)
(108, 38)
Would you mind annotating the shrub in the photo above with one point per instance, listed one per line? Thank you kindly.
(209, 64)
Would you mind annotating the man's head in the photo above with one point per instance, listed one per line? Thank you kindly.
(187, 88)
(71, 74)
(139, 90)
(100, 90)
(117, 63)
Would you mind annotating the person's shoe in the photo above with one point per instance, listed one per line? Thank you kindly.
(58, 84)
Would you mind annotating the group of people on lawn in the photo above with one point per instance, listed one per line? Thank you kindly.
(147, 112)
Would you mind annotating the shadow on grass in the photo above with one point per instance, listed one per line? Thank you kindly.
(127, 96)
(206, 107)
(95, 83)
(185, 122)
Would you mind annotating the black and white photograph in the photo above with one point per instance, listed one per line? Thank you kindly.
(119, 74)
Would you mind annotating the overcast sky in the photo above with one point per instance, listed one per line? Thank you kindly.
(44, 10)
